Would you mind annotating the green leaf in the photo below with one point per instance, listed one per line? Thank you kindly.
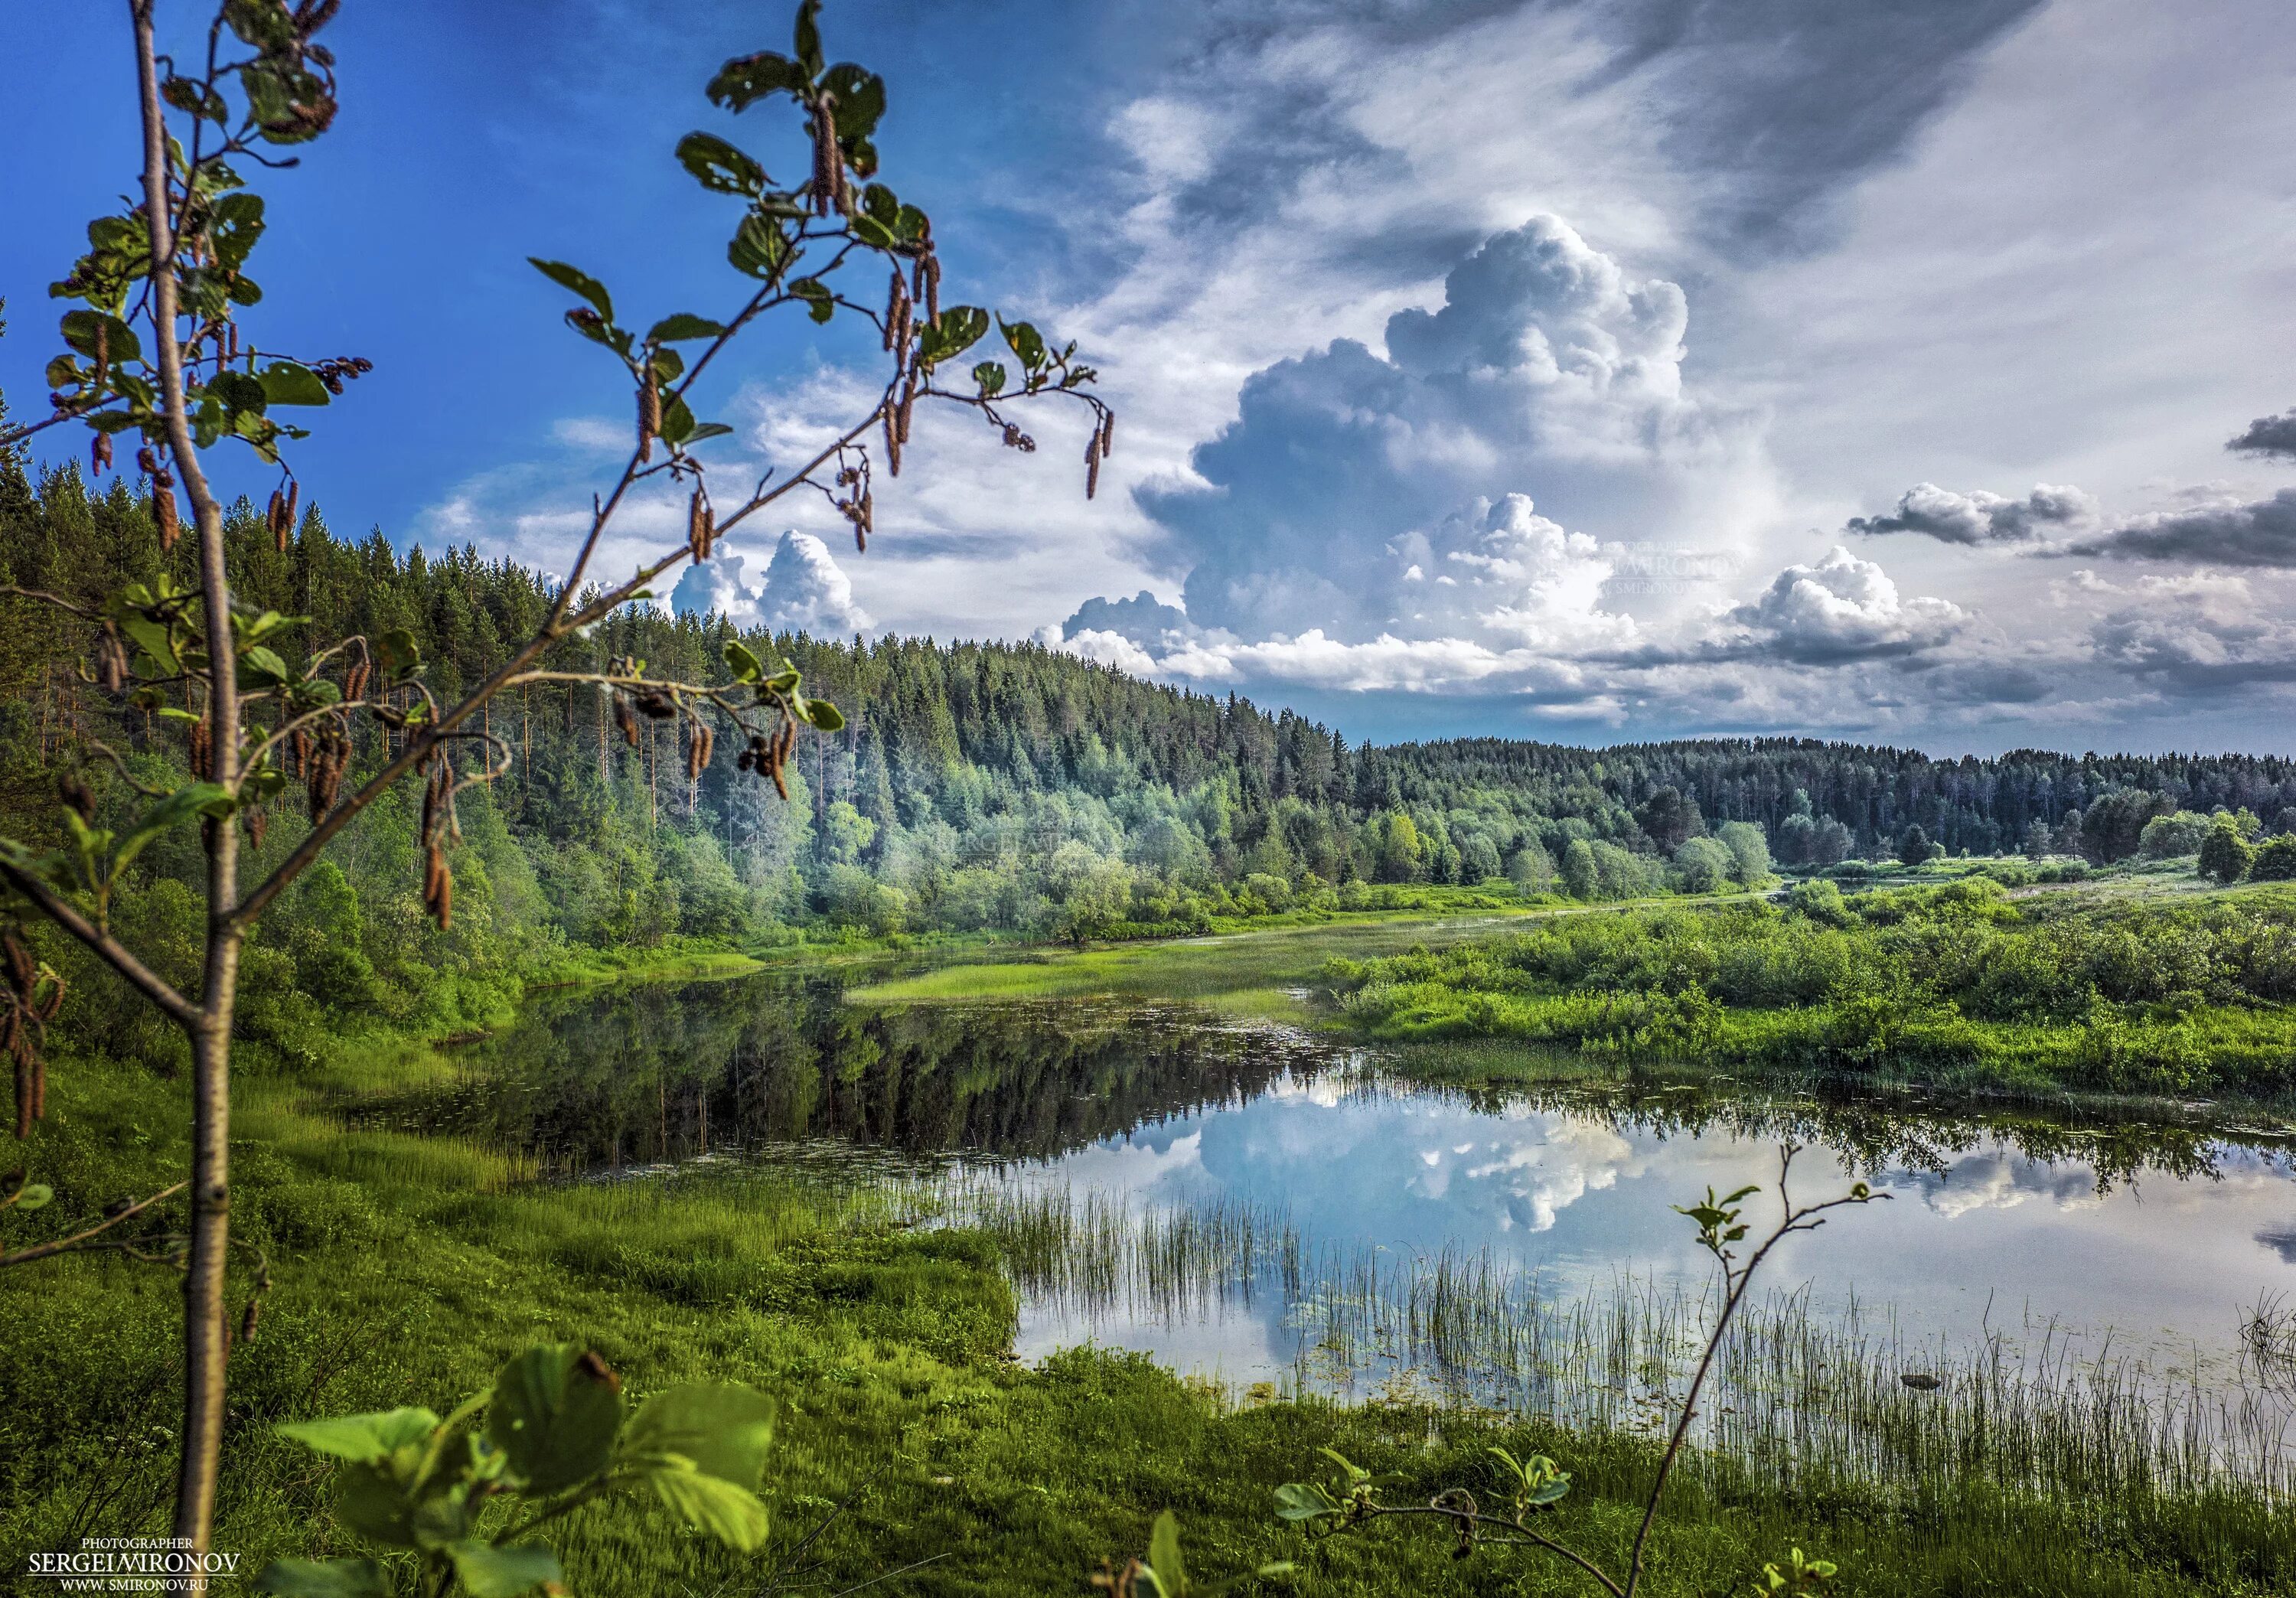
(666, 365)
(119, 341)
(723, 1427)
(595, 328)
(34, 1195)
(730, 1513)
(370, 1502)
(747, 80)
(362, 1438)
(1551, 1492)
(240, 391)
(991, 376)
(676, 421)
(878, 203)
(684, 324)
(707, 429)
(758, 247)
(959, 328)
(873, 232)
(580, 281)
(1026, 342)
(817, 295)
(556, 1415)
(1304, 1501)
(860, 100)
(286, 383)
(265, 663)
(210, 799)
(323, 1578)
(155, 639)
(745, 666)
(825, 716)
(401, 655)
(1164, 1553)
(186, 95)
(720, 167)
(487, 1571)
(807, 37)
(238, 223)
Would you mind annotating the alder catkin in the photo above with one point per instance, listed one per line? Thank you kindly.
(1092, 466)
(287, 514)
(163, 512)
(1107, 434)
(701, 526)
(649, 412)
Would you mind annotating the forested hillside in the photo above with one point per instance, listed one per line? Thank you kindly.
(978, 786)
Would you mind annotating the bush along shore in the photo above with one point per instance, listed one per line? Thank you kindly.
(1957, 985)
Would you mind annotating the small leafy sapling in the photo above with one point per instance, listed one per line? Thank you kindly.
(1533, 1487)
(155, 352)
(464, 1496)
(1798, 1578)
(1163, 1572)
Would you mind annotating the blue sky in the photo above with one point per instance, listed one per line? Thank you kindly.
(1582, 370)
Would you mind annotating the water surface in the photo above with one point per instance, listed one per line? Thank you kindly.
(2129, 1236)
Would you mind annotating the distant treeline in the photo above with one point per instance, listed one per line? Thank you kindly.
(1005, 785)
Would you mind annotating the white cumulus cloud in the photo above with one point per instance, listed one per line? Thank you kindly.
(804, 590)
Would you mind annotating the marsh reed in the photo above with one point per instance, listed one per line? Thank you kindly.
(1807, 1401)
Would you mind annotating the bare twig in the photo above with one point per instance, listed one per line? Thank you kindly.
(65, 1245)
(101, 943)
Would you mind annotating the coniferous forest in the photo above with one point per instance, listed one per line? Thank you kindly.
(1004, 787)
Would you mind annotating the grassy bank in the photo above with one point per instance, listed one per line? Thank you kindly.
(1262, 971)
(406, 1267)
(1958, 987)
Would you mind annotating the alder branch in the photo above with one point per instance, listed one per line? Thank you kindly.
(106, 947)
(66, 1245)
(42, 594)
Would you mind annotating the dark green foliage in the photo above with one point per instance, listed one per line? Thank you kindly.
(2276, 859)
(2225, 853)
(1953, 983)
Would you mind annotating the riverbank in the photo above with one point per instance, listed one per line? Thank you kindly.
(406, 1265)
(1954, 990)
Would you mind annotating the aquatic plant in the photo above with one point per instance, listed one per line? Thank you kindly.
(1534, 1485)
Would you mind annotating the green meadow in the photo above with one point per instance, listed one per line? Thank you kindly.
(878, 1311)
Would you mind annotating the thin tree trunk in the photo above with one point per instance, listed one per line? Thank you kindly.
(205, 1348)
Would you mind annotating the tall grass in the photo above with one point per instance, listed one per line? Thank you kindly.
(1804, 1404)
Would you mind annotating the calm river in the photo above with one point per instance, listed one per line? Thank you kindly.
(2087, 1236)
